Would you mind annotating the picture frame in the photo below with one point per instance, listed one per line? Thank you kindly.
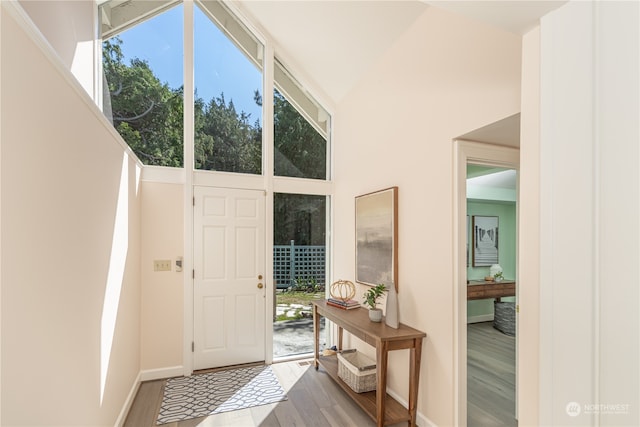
(486, 234)
(377, 237)
(468, 238)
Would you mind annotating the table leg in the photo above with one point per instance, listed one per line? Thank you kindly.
(382, 357)
(415, 354)
(340, 334)
(316, 336)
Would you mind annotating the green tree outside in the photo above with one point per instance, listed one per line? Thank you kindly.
(148, 114)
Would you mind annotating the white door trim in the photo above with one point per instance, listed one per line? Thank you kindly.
(477, 153)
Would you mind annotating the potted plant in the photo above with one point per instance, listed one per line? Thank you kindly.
(371, 299)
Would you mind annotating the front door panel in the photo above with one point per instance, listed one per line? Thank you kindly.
(229, 261)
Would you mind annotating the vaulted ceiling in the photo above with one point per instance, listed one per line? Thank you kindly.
(332, 43)
(335, 42)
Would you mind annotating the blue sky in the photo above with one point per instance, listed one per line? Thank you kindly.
(219, 65)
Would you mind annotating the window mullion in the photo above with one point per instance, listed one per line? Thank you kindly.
(188, 153)
(267, 173)
(267, 114)
(189, 88)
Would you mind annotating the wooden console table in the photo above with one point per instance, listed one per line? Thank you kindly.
(381, 407)
(480, 289)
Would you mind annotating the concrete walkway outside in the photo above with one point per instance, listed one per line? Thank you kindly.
(292, 337)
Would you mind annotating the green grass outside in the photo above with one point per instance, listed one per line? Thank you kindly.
(302, 298)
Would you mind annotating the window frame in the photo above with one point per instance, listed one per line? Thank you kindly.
(189, 177)
(271, 62)
(243, 38)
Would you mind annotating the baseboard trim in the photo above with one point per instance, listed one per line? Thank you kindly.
(122, 417)
(421, 419)
(161, 373)
(481, 318)
(147, 375)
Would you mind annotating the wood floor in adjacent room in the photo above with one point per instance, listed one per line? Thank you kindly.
(314, 399)
(491, 377)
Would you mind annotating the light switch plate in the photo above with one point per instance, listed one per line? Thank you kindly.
(162, 265)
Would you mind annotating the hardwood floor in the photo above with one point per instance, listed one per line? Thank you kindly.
(490, 377)
(314, 399)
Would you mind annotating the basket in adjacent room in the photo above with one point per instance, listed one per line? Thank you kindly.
(504, 317)
(357, 370)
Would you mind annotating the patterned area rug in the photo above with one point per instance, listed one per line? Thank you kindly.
(207, 394)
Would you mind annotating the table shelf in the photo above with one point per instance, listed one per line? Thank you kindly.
(394, 412)
(383, 409)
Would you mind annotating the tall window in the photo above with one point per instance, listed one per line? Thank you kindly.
(144, 84)
(300, 130)
(301, 218)
(228, 101)
(143, 88)
(143, 65)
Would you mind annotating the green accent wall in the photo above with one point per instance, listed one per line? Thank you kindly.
(506, 213)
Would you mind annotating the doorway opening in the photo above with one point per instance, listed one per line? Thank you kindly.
(299, 270)
(468, 265)
(491, 295)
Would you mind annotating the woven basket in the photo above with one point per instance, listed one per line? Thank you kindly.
(504, 317)
(357, 370)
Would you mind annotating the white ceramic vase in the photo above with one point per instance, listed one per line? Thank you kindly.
(391, 314)
(495, 269)
(375, 315)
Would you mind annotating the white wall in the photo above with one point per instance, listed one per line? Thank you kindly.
(590, 211)
(1, 18)
(162, 292)
(70, 27)
(529, 234)
(71, 247)
(444, 77)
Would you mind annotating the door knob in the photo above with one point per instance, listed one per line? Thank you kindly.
(260, 277)
(260, 285)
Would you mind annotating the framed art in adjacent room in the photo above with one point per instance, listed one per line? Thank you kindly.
(377, 238)
(485, 240)
(468, 237)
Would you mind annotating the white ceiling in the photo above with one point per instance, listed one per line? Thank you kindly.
(334, 42)
(493, 184)
(503, 179)
(330, 44)
(503, 132)
(515, 16)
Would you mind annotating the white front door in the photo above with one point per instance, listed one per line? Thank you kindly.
(229, 287)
